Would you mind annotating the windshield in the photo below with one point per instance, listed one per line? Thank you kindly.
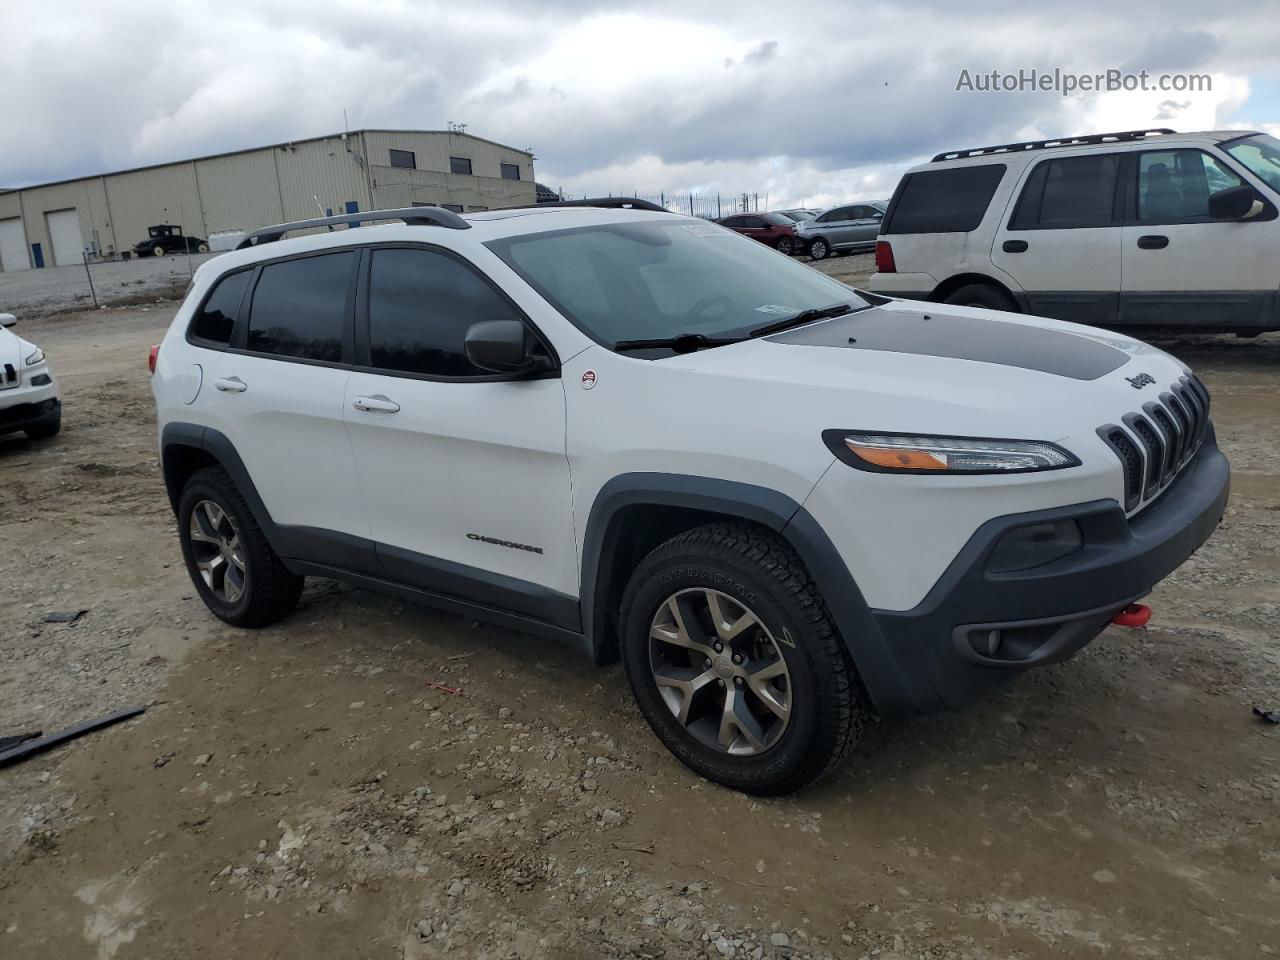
(795, 215)
(657, 279)
(1261, 154)
(779, 219)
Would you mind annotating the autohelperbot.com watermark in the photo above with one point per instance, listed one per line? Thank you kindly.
(1066, 83)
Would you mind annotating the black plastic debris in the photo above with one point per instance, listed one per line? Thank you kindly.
(1269, 716)
(31, 747)
(64, 616)
(7, 743)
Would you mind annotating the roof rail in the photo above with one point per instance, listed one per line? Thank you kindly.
(1121, 137)
(413, 216)
(608, 203)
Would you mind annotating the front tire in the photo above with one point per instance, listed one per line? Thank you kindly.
(734, 662)
(235, 571)
(43, 431)
(157, 251)
(202, 248)
(819, 249)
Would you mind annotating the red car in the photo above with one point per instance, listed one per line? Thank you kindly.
(775, 229)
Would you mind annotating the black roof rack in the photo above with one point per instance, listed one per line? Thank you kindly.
(1121, 137)
(608, 203)
(413, 216)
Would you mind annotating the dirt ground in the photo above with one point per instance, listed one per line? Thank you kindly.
(313, 790)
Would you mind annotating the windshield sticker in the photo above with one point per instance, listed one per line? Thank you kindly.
(773, 308)
(707, 230)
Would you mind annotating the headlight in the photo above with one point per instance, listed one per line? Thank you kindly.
(906, 453)
(35, 358)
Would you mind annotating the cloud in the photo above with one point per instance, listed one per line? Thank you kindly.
(827, 103)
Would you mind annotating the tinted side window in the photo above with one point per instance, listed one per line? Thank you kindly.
(1174, 185)
(733, 223)
(1068, 192)
(944, 201)
(218, 315)
(420, 306)
(299, 307)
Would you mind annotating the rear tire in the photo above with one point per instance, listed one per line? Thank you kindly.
(982, 295)
(804, 706)
(234, 569)
(786, 246)
(819, 249)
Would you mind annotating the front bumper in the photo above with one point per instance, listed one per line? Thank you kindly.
(942, 649)
(26, 406)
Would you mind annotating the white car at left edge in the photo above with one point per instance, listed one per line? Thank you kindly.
(29, 399)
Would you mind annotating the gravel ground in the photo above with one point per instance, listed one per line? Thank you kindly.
(129, 282)
(313, 790)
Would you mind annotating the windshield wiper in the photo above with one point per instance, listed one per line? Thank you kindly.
(803, 317)
(680, 343)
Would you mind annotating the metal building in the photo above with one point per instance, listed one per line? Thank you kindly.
(57, 223)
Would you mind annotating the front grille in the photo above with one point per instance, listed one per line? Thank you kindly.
(8, 376)
(1158, 441)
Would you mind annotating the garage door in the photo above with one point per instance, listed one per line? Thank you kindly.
(64, 234)
(13, 245)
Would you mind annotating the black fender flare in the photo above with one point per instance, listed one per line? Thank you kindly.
(219, 446)
(854, 620)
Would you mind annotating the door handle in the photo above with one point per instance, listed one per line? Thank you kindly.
(231, 385)
(375, 404)
(1014, 246)
(1153, 241)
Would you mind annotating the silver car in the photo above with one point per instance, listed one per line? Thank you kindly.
(844, 229)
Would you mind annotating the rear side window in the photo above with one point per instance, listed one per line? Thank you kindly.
(1068, 192)
(944, 201)
(299, 307)
(217, 317)
(421, 304)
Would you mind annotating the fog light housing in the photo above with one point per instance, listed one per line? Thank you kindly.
(1025, 548)
(41, 380)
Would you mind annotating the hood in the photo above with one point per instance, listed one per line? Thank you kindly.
(915, 367)
(13, 349)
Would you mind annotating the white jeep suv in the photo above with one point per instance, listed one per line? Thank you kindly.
(1142, 230)
(29, 399)
(783, 503)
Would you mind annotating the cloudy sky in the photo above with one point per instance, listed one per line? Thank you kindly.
(811, 102)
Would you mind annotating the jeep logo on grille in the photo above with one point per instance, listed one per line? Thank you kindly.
(1140, 380)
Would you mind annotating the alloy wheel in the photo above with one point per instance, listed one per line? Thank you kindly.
(215, 548)
(720, 672)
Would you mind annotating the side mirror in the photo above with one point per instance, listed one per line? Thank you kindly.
(503, 346)
(1237, 203)
(7, 319)
(877, 215)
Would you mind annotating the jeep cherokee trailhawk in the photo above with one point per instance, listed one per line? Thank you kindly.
(783, 503)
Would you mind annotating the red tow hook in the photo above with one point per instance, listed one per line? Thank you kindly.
(1134, 615)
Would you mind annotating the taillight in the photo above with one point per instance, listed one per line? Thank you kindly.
(154, 356)
(884, 258)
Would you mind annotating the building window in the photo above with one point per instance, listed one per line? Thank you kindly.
(511, 171)
(404, 158)
(455, 207)
(460, 165)
(476, 209)
(419, 203)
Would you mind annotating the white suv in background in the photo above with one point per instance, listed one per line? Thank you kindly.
(1139, 230)
(783, 503)
(28, 392)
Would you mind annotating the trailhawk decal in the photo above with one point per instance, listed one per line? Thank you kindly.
(939, 333)
(503, 543)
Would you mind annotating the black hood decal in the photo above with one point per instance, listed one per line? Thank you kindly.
(942, 334)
